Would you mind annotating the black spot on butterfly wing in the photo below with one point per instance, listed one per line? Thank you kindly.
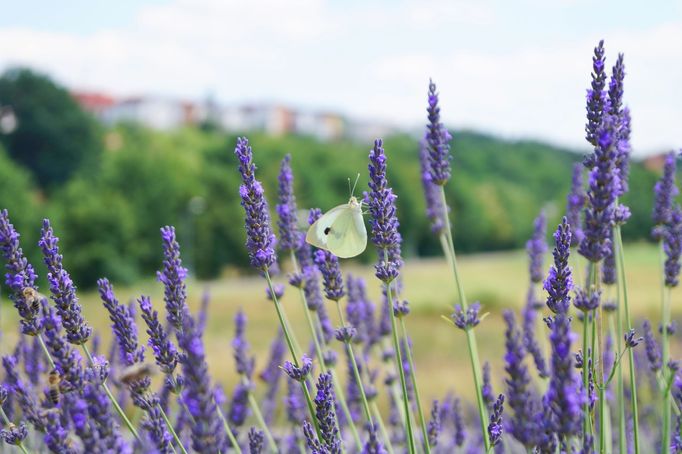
(327, 230)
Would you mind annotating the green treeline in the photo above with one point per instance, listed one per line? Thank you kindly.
(109, 210)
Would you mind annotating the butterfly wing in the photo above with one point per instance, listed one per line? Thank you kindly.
(318, 233)
(348, 235)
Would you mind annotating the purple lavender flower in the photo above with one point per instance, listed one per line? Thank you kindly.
(559, 282)
(328, 264)
(240, 345)
(14, 435)
(604, 182)
(536, 247)
(520, 400)
(495, 428)
(20, 390)
(384, 222)
(575, 202)
(293, 403)
(466, 319)
(260, 242)
(239, 406)
(271, 375)
(653, 351)
(165, 352)
(373, 445)
(434, 202)
(62, 288)
(99, 410)
(596, 95)
(311, 439)
(19, 278)
(155, 425)
(434, 424)
(123, 325)
(664, 193)
(67, 360)
(301, 373)
(207, 433)
(529, 316)
(345, 334)
(630, 340)
(672, 246)
(438, 141)
(586, 301)
(55, 435)
(173, 279)
(256, 439)
(615, 93)
(326, 416)
(289, 236)
(486, 386)
(608, 266)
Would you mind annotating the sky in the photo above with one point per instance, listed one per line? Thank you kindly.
(517, 69)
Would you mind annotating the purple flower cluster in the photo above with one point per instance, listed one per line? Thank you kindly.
(438, 141)
(559, 281)
(596, 95)
(260, 241)
(289, 236)
(536, 247)
(173, 279)
(575, 202)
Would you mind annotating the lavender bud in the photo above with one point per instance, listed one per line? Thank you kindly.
(173, 278)
(585, 301)
(401, 308)
(289, 236)
(437, 139)
(664, 194)
(466, 319)
(495, 428)
(536, 247)
(672, 246)
(559, 282)
(256, 439)
(298, 373)
(123, 324)
(165, 354)
(345, 334)
(326, 416)
(653, 351)
(14, 435)
(279, 292)
(434, 424)
(596, 95)
(328, 264)
(575, 202)
(630, 340)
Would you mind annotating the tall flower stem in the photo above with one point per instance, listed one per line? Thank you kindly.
(586, 413)
(287, 337)
(413, 378)
(470, 336)
(45, 350)
(399, 364)
(665, 353)
(382, 427)
(109, 394)
(228, 431)
(356, 371)
(172, 430)
(598, 353)
(620, 265)
(7, 422)
(338, 389)
(620, 388)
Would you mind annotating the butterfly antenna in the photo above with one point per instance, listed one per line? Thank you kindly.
(352, 191)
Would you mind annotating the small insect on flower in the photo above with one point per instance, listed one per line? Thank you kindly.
(32, 297)
(53, 392)
(136, 372)
(341, 230)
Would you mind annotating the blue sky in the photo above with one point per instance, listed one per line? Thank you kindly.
(516, 69)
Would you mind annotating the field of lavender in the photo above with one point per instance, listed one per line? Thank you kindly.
(508, 352)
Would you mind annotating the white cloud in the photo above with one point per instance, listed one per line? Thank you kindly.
(494, 72)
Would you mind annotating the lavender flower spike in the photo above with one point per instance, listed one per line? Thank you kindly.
(289, 236)
(62, 289)
(328, 264)
(575, 202)
(384, 222)
(664, 193)
(596, 95)
(123, 324)
(437, 139)
(604, 183)
(559, 282)
(164, 351)
(326, 416)
(260, 242)
(672, 246)
(19, 278)
(173, 279)
(536, 247)
(434, 204)
(495, 428)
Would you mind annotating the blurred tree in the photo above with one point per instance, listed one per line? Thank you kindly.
(53, 136)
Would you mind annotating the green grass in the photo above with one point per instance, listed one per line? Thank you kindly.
(498, 280)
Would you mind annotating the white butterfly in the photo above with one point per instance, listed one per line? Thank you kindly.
(341, 230)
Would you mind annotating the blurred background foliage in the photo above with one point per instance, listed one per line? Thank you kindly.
(108, 191)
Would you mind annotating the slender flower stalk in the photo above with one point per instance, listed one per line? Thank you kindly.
(385, 236)
(438, 140)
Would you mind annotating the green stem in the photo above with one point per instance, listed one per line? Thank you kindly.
(46, 351)
(617, 335)
(598, 355)
(382, 428)
(228, 431)
(665, 350)
(585, 371)
(172, 430)
(413, 377)
(399, 363)
(470, 336)
(109, 394)
(292, 350)
(8, 423)
(620, 267)
(318, 343)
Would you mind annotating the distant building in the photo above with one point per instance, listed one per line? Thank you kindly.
(655, 162)
(157, 113)
(95, 103)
